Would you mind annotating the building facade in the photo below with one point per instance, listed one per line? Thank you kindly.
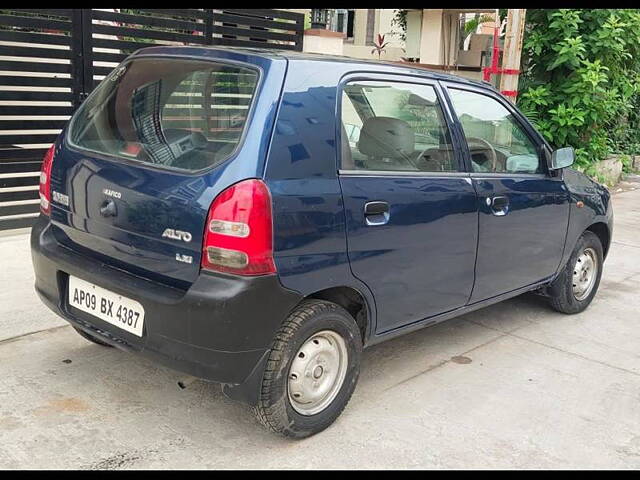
(435, 38)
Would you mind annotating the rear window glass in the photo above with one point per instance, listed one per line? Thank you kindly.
(167, 112)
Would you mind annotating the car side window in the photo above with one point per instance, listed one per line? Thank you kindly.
(394, 126)
(497, 142)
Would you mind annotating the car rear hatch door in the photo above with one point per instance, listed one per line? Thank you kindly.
(143, 158)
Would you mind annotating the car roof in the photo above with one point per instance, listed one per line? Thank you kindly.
(320, 57)
(293, 56)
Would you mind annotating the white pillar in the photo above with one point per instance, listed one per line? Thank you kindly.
(431, 37)
(360, 26)
(413, 35)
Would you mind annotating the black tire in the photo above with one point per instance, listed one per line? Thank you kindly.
(91, 338)
(561, 293)
(274, 409)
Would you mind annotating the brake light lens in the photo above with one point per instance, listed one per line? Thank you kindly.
(239, 232)
(45, 181)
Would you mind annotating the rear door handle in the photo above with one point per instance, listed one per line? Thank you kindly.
(499, 205)
(376, 213)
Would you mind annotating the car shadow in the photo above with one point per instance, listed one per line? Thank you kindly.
(201, 407)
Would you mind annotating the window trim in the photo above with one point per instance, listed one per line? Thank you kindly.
(536, 139)
(168, 169)
(401, 173)
(399, 78)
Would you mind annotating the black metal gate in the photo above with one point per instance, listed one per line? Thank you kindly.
(51, 59)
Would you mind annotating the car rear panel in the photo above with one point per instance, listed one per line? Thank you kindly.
(147, 203)
(147, 219)
(218, 329)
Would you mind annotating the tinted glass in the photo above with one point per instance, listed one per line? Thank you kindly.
(167, 112)
(497, 142)
(394, 126)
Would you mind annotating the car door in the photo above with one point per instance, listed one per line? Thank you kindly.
(523, 209)
(411, 210)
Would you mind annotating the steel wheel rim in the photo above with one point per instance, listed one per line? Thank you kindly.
(317, 372)
(585, 272)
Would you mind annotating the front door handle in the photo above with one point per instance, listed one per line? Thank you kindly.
(376, 213)
(499, 205)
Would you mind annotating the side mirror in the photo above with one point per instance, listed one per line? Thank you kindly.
(562, 158)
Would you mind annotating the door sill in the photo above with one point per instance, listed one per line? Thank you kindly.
(441, 317)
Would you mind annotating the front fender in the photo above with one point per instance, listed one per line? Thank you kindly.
(590, 204)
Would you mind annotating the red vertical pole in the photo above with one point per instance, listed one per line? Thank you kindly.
(496, 49)
(495, 57)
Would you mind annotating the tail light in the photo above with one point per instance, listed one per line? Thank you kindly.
(239, 233)
(45, 182)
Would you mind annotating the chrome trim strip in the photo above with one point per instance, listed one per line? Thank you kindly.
(492, 175)
(393, 173)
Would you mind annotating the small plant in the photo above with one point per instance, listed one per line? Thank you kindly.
(379, 45)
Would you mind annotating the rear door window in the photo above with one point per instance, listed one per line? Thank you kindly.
(172, 113)
(394, 126)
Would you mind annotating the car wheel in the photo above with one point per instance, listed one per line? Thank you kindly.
(311, 371)
(91, 338)
(578, 283)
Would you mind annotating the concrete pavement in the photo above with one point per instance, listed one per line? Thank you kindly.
(515, 385)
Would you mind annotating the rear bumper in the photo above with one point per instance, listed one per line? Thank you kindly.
(220, 329)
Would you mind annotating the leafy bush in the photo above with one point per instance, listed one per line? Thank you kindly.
(580, 79)
(627, 163)
(400, 20)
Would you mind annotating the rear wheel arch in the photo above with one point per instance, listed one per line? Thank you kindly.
(290, 400)
(353, 301)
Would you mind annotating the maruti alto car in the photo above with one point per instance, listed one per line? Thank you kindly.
(256, 218)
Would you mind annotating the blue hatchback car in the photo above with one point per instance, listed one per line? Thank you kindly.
(256, 218)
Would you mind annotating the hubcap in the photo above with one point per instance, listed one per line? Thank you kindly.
(317, 372)
(584, 274)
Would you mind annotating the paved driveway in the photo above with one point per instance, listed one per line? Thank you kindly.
(515, 385)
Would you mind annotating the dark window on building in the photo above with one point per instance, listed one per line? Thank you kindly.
(350, 16)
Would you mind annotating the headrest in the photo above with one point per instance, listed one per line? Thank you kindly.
(386, 137)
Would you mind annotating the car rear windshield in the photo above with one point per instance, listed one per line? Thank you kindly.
(169, 113)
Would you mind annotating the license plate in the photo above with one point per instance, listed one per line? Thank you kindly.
(120, 311)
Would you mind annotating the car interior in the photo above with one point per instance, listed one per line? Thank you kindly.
(421, 143)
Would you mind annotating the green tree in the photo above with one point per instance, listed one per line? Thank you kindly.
(580, 78)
